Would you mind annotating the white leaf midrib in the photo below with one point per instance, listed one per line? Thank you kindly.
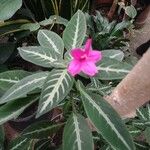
(51, 42)
(108, 69)
(19, 144)
(55, 90)
(8, 80)
(45, 57)
(20, 87)
(76, 33)
(77, 131)
(106, 118)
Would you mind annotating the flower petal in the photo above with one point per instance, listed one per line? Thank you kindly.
(89, 68)
(77, 53)
(95, 56)
(74, 67)
(88, 45)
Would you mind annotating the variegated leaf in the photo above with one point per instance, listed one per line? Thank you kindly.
(41, 56)
(113, 54)
(9, 78)
(24, 86)
(75, 31)
(52, 41)
(77, 135)
(14, 108)
(20, 143)
(111, 69)
(40, 130)
(106, 120)
(57, 85)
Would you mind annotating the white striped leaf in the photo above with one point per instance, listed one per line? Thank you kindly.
(144, 113)
(41, 56)
(111, 69)
(113, 54)
(9, 78)
(77, 135)
(106, 120)
(20, 143)
(75, 31)
(57, 85)
(52, 41)
(14, 108)
(41, 130)
(24, 86)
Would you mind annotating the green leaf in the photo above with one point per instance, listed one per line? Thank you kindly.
(41, 130)
(147, 135)
(98, 87)
(106, 120)
(9, 78)
(52, 41)
(131, 11)
(111, 69)
(8, 8)
(10, 27)
(6, 49)
(20, 143)
(75, 31)
(120, 27)
(57, 85)
(59, 20)
(15, 108)
(2, 137)
(24, 86)
(77, 135)
(113, 54)
(141, 145)
(41, 56)
(30, 26)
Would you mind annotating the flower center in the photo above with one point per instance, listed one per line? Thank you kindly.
(83, 57)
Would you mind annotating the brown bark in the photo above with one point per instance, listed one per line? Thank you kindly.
(134, 90)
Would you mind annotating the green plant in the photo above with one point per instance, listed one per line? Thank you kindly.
(56, 88)
(105, 34)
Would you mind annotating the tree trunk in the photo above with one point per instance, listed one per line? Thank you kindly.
(134, 90)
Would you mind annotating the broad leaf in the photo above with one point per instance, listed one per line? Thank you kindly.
(9, 78)
(57, 85)
(75, 31)
(24, 86)
(20, 143)
(8, 8)
(147, 135)
(15, 108)
(41, 56)
(41, 130)
(131, 11)
(106, 120)
(113, 54)
(98, 87)
(52, 41)
(77, 135)
(30, 26)
(111, 69)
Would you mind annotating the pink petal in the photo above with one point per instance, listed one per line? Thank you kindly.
(74, 67)
(89, 68)
(88, 45)
(95, 56)
(77, 53)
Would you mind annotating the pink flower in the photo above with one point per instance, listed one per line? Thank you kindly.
(84, 60)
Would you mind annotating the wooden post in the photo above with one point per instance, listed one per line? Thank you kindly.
(134, 90)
